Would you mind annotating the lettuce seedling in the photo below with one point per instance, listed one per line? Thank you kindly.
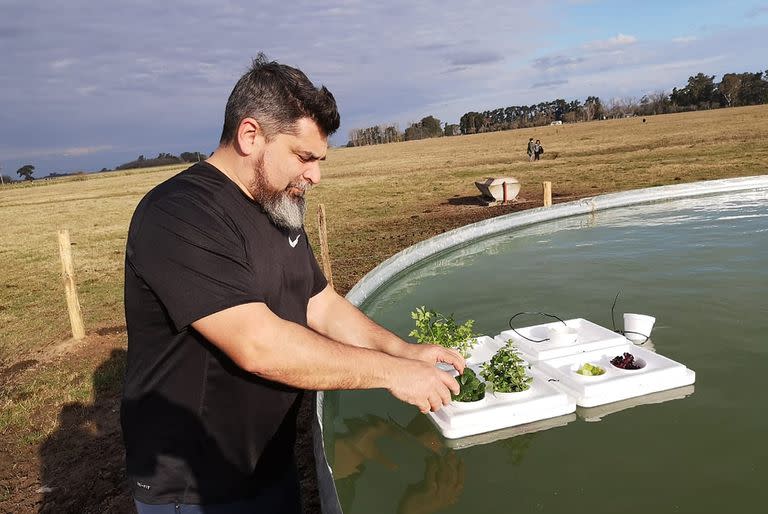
(471, 389)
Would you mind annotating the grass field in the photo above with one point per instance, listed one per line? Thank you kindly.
(378, 199)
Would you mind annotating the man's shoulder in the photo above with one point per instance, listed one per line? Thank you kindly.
(196, 194)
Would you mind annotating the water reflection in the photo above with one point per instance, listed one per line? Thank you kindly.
(592, 414)
(361, 443)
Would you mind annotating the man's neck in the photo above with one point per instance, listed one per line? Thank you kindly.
(224, 160)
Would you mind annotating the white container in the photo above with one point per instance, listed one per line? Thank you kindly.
(637, 327)
(562, 335)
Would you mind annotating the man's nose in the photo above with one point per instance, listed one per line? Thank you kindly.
(312, 172)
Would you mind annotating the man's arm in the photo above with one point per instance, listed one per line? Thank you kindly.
(264, 344)
(335, 317)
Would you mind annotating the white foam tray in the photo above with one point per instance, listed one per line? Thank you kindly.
(590, 337)
(659, 374)
(507, 433)
(541, 401)
(592, 414)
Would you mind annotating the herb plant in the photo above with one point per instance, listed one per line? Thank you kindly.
(471, 388)
(507, 371)
(435, 328)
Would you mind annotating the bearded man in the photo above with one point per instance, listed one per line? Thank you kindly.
(232, 326)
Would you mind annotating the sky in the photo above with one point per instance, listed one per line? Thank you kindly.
(86, 85)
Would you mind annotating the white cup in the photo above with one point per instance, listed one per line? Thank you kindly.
(637, 327)
(562, 334)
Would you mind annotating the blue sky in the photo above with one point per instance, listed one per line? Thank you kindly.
(86, 85)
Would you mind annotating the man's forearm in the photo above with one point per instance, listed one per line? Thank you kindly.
(337, 319)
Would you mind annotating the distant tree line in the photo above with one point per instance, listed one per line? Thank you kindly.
(701, 92)
(163, 159)
(429, 126)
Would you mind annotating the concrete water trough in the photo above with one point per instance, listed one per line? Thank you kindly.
(501, 189)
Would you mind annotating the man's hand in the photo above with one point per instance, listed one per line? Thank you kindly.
(421, 384)
(433, 354)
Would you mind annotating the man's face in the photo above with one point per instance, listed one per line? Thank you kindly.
(287, 168)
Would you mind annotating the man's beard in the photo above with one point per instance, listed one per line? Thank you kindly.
(286, 210)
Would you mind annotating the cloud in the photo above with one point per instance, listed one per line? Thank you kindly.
(621, 40)
(474, 58)
(550, 83)
(85, 150)
(684, 39)
(33, 153)
(556, 61)
(61, 64)
(758, 10)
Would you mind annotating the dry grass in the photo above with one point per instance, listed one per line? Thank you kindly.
(379, 199)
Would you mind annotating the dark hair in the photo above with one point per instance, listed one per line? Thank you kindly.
(277, 96)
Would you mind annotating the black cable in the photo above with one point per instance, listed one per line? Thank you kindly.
(533, 313)
(625, 332)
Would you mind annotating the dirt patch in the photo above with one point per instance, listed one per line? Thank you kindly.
(108, 331)
(79, 466)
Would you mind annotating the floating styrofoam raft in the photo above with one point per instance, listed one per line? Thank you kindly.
(658, 374)
(590, 336)
(507, 433)
(541, 401)
(590, 414)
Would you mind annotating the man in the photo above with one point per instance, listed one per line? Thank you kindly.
(231, 324)
(530, 149)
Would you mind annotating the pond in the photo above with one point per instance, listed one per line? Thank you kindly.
(699, 265)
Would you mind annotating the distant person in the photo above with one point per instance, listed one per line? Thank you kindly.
(232, 326)
(537, 150)
(531, 154)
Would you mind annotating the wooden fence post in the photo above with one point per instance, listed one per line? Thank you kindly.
(547, 194)
(68, 277)
(324, 253)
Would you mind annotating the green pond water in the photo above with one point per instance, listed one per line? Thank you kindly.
(699, 265)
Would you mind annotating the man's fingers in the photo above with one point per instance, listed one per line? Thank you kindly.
(435, 402)
(451, 383)
(452, 357)
(445, 395)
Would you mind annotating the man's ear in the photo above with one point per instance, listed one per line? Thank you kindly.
(250, 137)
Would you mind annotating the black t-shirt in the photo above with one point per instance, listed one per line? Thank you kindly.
(197, 428)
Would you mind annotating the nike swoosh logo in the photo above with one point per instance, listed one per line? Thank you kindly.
(293, 242)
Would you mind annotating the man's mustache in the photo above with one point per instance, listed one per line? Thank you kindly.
(302, 186)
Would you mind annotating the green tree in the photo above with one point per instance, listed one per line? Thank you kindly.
(701, 90)
(26, 171)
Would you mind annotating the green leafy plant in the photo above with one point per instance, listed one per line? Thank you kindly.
(507, 371)
(472, 389)
(432, 327)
